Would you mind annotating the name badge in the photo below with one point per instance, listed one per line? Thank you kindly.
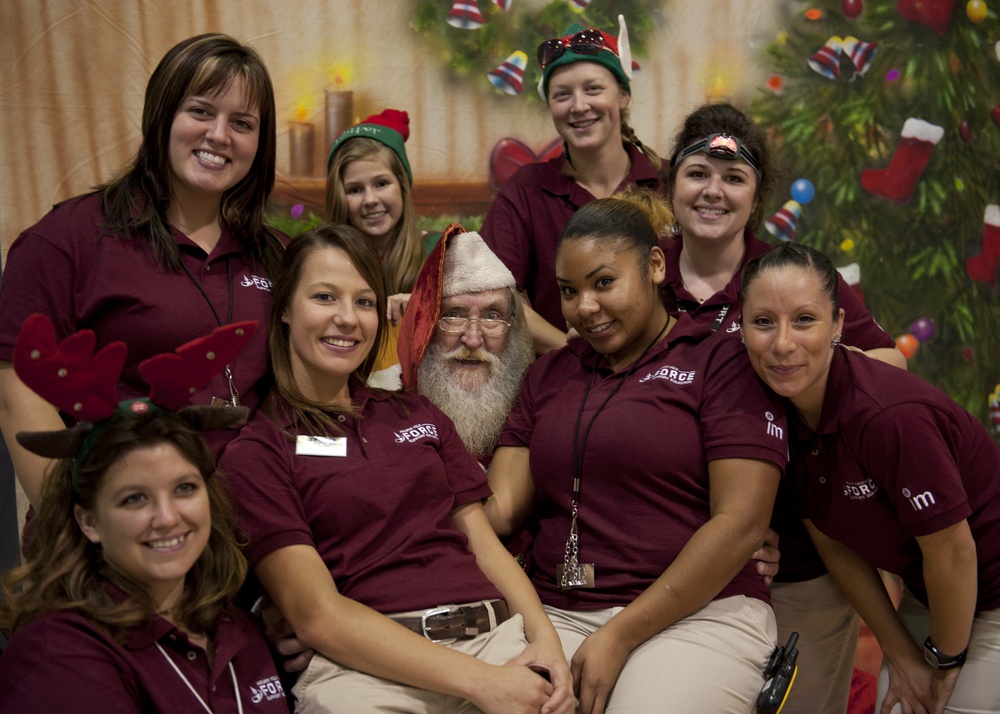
(321, 446)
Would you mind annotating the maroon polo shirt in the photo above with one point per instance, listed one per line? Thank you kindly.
(799, 559)
(62, 662)
(529, 214)
(70, 269)
(894, 458)
(645, 489)
(379, 516)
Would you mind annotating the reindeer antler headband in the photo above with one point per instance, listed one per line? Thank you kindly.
(81, 382)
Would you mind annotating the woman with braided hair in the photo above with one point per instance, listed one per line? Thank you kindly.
(586, 83)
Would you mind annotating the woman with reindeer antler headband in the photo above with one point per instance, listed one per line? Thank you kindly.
(126, 601)
(586, 83)
(172, 247)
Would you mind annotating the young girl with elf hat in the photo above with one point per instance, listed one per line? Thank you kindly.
(586, 83)
(370, 186)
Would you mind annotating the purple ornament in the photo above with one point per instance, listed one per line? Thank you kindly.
(892, 75)
(923, 329)
(297, 210)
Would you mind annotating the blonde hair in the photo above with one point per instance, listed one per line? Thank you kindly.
(402, 263)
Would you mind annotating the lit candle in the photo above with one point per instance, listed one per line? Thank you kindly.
(302, 147)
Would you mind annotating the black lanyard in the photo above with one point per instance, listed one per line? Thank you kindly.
(684, 305)
(572, 573)
(234, 397)
(229, 283)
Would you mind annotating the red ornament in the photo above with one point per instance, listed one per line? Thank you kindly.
(907, 344)
(851, 8)
(965, 131)
(968, 355)
(995, 115)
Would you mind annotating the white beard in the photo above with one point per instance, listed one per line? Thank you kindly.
(478, 411)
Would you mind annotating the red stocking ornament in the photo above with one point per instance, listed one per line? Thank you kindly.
(897, 181)
(983, 268)
(936, 14)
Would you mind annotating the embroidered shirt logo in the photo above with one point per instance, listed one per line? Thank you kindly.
(773, 429)
(919, 501)
(417, 432)
(735, 327)
(256, 281)
(861, 490)
(671, 374)
(269, 689)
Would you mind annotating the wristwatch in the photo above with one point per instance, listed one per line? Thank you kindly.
(938, 660)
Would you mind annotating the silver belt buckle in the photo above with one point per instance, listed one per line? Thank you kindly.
(434, 613)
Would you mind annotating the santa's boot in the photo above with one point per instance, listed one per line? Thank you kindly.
(983, 268)
(897, 181)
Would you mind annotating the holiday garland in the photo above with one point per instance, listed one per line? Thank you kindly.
(482, 45)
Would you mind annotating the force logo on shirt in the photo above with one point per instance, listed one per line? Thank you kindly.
(861, 490)
(269, 689)
(417, 432)
(671, 374)
(257, 281)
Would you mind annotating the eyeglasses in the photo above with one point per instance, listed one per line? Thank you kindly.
(489, 326)
(585, 42)
(722, 146)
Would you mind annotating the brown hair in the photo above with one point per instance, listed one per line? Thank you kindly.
(363, 257)
(65, 571)
(711, 119)
(406, 251)
(136, 200)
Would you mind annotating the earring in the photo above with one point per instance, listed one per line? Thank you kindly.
(836, 341)
(676, 230)
(743, 340)
(565, 152)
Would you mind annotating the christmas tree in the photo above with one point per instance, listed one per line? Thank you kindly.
(889, 113)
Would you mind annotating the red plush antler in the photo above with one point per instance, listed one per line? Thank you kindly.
(175, 377)
(69, 375)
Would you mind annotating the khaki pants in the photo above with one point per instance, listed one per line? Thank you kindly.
(978, 687)
(828, 637)
(325, 687)
(711, 661)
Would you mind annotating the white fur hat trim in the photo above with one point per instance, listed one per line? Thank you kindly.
(471, 267)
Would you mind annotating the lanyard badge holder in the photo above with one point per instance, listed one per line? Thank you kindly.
(779, 676)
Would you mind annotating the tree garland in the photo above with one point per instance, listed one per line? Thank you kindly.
(472, 53)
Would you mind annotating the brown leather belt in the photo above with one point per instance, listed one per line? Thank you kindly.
(442, 624)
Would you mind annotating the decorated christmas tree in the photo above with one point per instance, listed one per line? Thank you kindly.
(886, 115)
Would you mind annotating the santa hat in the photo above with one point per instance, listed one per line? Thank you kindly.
(460, 263)
(391, 127)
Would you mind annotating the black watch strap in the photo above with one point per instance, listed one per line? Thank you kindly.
(938, 660)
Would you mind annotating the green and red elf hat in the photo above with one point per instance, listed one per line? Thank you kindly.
(585, 44)
(391, 127)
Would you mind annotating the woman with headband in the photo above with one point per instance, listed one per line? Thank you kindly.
(720, 178)
(586, 84)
